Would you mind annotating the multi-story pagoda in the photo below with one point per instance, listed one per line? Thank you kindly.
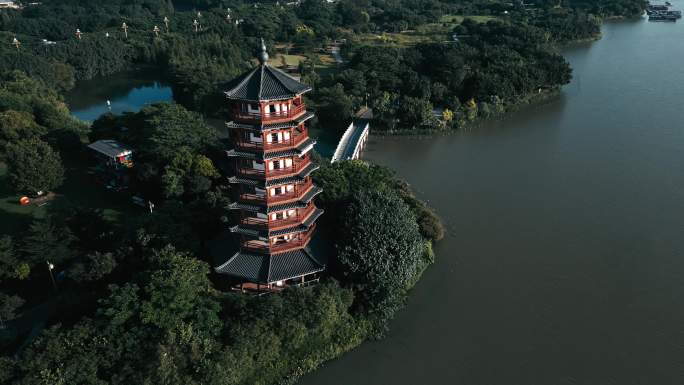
(274, 191)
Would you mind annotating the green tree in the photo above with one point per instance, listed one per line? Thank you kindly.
(33, 166)
(93, 267)
(335, 106)
(171, 128)
(10, 266)
(188, 173)
(9, 305)
(415, 112)
(178, 289)
(382, 250)
(47, 241)
(15, 126)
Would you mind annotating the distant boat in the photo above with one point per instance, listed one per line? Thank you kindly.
(662, 17)
(677, 14)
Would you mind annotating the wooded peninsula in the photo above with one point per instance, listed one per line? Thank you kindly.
(94, 290)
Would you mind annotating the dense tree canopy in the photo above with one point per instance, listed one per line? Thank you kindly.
(381, 259)
(33, 166)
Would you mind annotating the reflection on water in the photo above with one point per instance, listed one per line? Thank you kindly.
(127, 91)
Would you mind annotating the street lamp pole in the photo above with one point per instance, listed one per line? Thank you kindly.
(50, 267)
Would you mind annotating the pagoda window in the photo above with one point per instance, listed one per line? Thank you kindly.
(275, 165)
(288, 162)
(286, 135)
(254, 108)
(277, 191)
(274, 138)
(290, 188)
(290, 213)
(271, 108)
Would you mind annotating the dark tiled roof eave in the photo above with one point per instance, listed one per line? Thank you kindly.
(301, 149)
(265, 83)
(293, 264)
(306, 171)
(246, 207)
(303, 202)
(265, 269)
(272, 126)
(306, 225)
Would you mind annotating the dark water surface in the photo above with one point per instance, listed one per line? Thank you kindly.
(564, 260)
(127, 91)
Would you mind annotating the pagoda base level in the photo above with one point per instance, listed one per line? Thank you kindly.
(260, 289)
(271, 269)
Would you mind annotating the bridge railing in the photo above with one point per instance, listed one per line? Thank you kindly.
(352, 141)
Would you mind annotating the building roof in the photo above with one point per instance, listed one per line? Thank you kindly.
(265, 83)
(110, 147)
(271, 268)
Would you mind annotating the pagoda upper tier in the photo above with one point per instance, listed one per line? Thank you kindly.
(266, 95)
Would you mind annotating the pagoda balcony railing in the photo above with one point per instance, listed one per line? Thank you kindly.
(292, 221)
(294, 141)
(261, 246)
(251, 172)
(299, 190)
(252, 198)
(264, 223)
(281, 246)
(293, 112)
(284, 171)
(260, 223)
(254, 173)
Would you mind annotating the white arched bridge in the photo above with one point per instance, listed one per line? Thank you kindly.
(354, 138)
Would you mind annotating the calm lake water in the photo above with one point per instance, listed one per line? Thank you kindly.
(564, 260)
(127, 91)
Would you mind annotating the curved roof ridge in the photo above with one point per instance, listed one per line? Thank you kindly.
(266, 83)
(246, 78)
(261, 80)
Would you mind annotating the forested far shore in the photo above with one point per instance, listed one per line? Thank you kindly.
(496, 53)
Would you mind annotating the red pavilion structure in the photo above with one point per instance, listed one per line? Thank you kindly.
(274, 195)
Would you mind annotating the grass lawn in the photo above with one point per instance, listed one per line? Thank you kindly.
(281, 60)
(13, 216)
(327, 65)
(79, 189)
(430, 32)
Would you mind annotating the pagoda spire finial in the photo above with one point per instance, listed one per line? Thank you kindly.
(263, 55)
